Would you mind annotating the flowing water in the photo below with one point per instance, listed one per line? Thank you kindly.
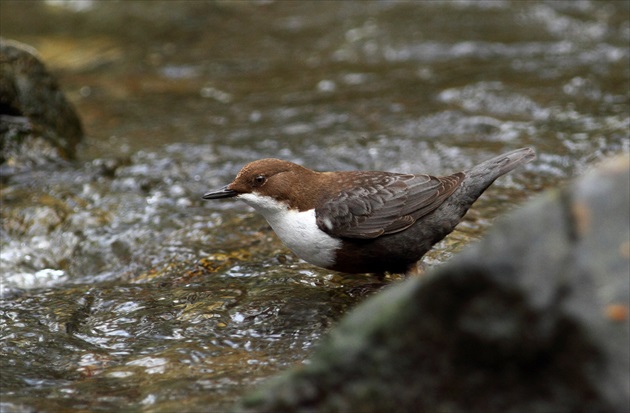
(123, 290)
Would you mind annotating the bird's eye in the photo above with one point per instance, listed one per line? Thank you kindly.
(259, 180)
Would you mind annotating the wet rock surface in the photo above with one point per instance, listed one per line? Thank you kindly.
(532, 318)
(39, 124)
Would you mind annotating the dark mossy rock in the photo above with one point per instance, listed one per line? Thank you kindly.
(37, 123)
(533, 318)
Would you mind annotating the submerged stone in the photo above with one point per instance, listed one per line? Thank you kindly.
(38, 124)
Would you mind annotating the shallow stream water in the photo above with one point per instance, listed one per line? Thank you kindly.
(123, 290)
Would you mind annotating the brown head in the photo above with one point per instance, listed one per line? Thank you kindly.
(275, 178)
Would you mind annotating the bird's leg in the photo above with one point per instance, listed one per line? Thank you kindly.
(416, 270)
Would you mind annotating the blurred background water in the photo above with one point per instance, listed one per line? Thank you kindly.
(122, 289)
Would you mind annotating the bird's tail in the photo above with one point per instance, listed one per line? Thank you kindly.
(475, 181)
(502, 164)
(478, 178)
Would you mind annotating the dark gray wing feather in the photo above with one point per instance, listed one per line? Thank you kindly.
(379, 204)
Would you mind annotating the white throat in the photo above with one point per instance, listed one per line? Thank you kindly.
(297, 230)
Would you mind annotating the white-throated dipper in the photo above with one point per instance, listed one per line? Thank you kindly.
(362, 222)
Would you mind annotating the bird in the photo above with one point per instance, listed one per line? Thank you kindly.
(362, 221)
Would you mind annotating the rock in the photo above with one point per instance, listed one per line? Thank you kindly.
(38, 124)
(532, 318)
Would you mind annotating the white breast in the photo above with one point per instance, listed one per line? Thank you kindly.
(297, 230)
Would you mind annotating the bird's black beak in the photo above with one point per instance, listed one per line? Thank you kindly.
(224, 192)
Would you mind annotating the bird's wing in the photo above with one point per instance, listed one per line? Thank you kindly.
(376, 204)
